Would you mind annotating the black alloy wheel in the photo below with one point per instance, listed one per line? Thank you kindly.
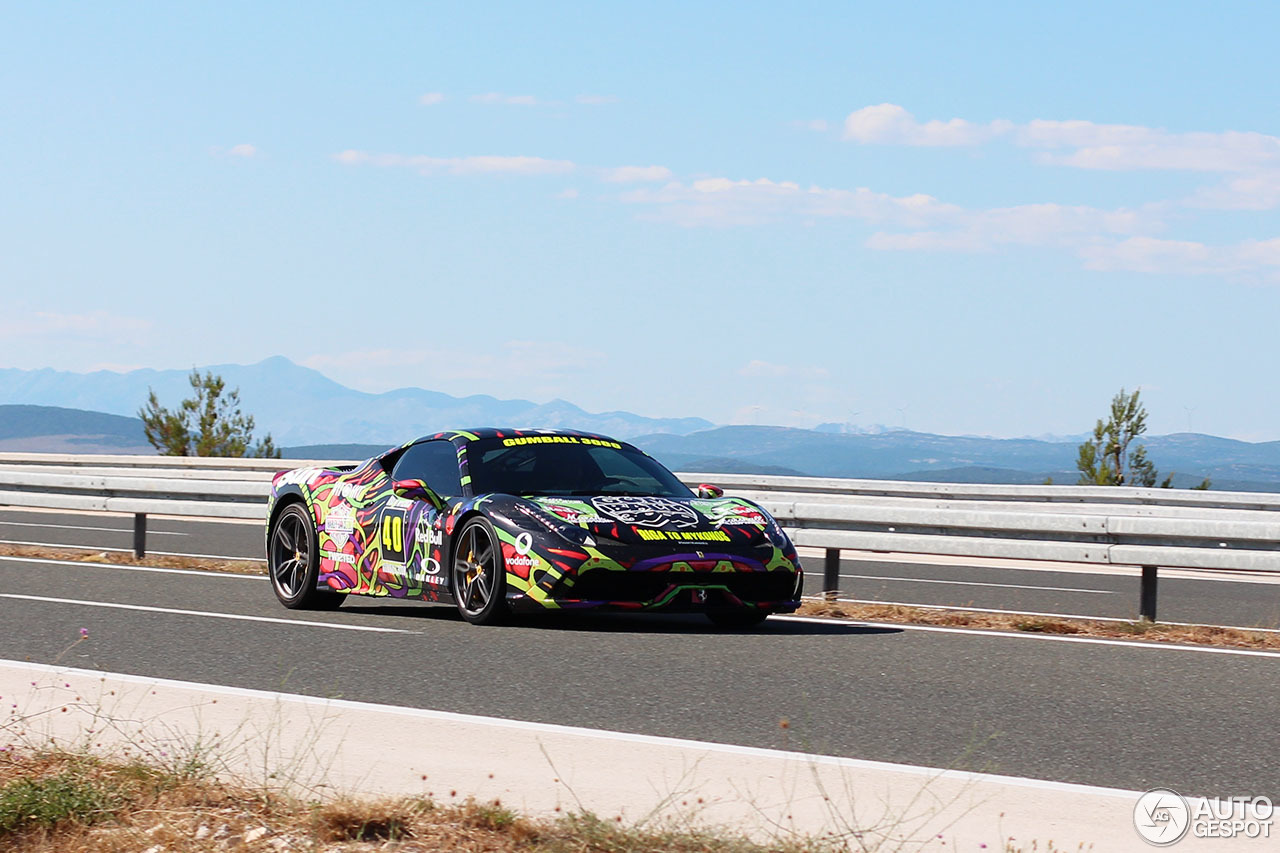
(479, 574)
(293, 562)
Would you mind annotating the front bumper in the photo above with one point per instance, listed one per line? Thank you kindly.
(678, 592)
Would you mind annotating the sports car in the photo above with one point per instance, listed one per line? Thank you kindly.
(502, 521)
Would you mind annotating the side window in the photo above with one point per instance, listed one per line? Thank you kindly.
(436, 462)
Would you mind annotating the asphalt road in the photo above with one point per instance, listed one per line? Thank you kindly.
(1103, 714)
(203, 537)
(1088, 593)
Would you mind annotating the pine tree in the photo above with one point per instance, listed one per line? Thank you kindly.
(1106, 460)
(206, 424)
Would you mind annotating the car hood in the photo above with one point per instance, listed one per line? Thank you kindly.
(659, 520)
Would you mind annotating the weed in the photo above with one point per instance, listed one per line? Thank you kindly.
(70, 795)
(493, 816)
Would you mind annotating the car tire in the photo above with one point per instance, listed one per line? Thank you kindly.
(293, 562)
(478, 574)
(737, 618)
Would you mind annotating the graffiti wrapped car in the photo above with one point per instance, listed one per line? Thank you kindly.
(497, 521)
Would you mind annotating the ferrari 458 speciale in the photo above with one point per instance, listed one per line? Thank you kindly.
(500, 521)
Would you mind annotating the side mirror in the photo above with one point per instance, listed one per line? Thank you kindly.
(417, 490)
(706, 490)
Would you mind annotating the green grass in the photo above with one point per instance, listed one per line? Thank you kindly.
(70, 795)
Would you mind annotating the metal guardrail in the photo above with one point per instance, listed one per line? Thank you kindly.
(1005, 493)
(1211, 531)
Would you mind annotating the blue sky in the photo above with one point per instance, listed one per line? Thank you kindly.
(973, 218)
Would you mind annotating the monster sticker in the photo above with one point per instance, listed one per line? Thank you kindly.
(646, 511)
(339, 524)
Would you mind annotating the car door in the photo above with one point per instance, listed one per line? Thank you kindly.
(419, 570)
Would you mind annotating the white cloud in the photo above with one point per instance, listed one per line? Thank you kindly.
(1123, 238)
(927, 241)
(1131, 147)
(1092, 145)
(635, 174)
(890, 124)
(1259, 190)
(596, 100)
(431, 99)
(474, 165)
(1183, 257)
(908, 223)
(1147, 254)
(756, 368)
(509, 100)
(1053, 225)
(722, 201)
(1249, 161)
(511, 165)
(244, 150)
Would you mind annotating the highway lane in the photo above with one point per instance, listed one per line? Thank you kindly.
(1202, 599)
(1101, 714)
(215, 537)
(1087, 593)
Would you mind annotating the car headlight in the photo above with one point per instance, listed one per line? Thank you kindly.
(533, 520)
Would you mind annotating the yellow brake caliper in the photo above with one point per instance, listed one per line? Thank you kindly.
(473, 570)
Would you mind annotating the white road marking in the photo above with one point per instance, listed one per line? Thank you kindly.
(242, 576)
(212, 615)
(87, 527)
(978, 583)
(1034, 613)
(130, 551)
(158, 569)
(186, 519)
(1026, 635)
(599, 734)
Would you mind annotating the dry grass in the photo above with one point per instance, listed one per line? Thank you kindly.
(1155, 632)
(87, 555)
(124, 808)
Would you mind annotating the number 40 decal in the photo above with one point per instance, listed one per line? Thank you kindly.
(393, 535)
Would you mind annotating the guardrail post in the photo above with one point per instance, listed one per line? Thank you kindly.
(1147, 604)
(139, 534)
(831, 573)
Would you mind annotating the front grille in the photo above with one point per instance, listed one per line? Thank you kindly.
(606, 585)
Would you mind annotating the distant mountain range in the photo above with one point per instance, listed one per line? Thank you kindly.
(311, 416)
(298, 405)
(906, 455)
(896, 455)
(48, 429)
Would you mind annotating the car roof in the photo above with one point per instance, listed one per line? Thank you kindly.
(478, 433)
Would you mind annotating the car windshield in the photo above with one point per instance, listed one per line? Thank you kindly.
(567, 465)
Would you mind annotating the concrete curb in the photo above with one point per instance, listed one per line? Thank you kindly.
(330, 747)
